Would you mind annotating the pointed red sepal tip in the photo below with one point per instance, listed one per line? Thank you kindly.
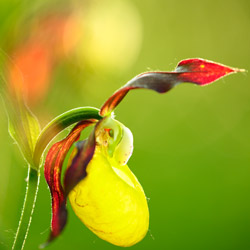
(52, 172)
(203, 72)
(195, 70)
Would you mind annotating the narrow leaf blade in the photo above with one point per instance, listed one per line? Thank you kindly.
(24, 128)
(23, 125)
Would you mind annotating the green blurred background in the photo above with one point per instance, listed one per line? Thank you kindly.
(192, 152)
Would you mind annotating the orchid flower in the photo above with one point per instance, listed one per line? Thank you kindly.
(103, 192)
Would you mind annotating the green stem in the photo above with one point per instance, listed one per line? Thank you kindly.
(28, 209)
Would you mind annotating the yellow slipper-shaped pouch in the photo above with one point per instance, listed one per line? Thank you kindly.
(109, 200)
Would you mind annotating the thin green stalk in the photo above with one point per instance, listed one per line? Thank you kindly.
(33, 180)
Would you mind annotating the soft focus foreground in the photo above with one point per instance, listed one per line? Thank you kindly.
(197, 178)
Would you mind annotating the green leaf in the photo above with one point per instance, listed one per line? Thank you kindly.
(23, 125)
(23, 128)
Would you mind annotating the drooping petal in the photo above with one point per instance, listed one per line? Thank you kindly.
(198, 71)
(52, 172)
(77, 170)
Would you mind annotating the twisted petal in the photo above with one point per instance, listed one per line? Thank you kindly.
(77, 170)
(198, 71)
(52, 172)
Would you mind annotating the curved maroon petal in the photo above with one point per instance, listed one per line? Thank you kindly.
(77, 170)
(198, 71)
(52, 171)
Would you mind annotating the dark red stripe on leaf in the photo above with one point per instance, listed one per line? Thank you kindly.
(198, 71)
(52, 171)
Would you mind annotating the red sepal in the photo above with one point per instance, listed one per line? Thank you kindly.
(198, 71)
(202, 72)
(77, 170)
(52, 171)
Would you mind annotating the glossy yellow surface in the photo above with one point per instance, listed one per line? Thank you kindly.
(111, 202)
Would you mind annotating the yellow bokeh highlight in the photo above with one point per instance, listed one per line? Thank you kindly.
(112, 35)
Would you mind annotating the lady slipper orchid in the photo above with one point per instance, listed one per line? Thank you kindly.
(103, 192)
(110, 201)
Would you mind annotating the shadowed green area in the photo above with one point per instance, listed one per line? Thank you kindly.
(191, 145)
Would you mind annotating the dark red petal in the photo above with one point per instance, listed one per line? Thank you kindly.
(52, 171)
(198, 71)
(77, 170)
(201, 71)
